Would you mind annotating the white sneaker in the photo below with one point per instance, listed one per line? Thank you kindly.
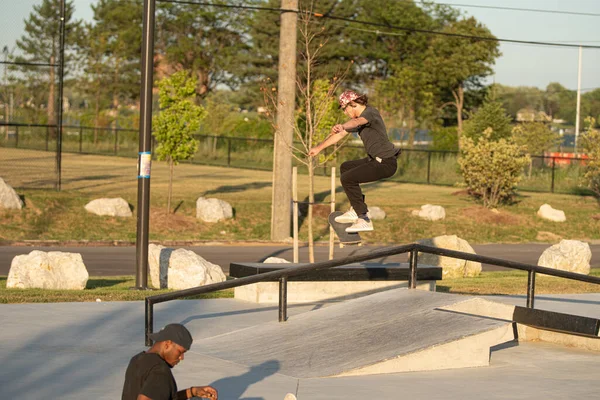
(361, 225)
(289, 396)
(349, 217)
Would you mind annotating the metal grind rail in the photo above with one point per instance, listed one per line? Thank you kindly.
(413, 248)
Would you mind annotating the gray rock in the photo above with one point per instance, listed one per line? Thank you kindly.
(276, 260)
(213, 210)
(430, 212)
(115, 207)
(180, 268)
(48, 270)
(547, 212)
(568, 255)
(376, 213)
(451, 267)
(8, 197)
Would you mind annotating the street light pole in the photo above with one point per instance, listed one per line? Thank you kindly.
(577, 118)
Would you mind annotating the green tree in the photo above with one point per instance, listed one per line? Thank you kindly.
(462, 63)
(317, 107)
(114, 52)
(535, 138)
(591, 145)
(492, 168)
(210, 42)
(178, 119)
(490, 115)
(40, 44)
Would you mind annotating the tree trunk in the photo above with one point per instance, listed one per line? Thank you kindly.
(459, 97)
(170, 191)
(311, 200)
(286, 96)
(52, 97)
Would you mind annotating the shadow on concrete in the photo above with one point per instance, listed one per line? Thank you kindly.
(233, 387)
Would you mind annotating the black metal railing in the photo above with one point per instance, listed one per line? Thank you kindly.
(413, 248)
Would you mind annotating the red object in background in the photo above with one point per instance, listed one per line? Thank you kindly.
(564, 159)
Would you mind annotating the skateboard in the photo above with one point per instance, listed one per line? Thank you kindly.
(346, 238)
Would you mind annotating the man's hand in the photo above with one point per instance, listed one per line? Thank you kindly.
(208, 392)
(314, 151)
(338, 128)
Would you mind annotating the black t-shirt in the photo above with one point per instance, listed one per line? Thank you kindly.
(374, 135)
(150, 375)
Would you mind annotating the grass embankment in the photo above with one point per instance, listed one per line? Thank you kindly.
(111, 288)
(118, 288)
(52, 215)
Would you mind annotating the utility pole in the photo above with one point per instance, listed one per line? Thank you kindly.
(577, 118)
(145, 147)
(286, 99)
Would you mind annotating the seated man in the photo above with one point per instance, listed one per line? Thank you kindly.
(149, 376)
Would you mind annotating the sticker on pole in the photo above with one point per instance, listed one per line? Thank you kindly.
(144, 164)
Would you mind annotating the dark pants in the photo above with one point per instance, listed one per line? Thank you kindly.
(353, 173)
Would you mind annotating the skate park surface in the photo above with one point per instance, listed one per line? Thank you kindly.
(81, 350)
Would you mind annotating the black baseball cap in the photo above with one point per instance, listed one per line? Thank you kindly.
(176, 333)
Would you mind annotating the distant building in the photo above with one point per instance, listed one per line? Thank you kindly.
(531, 115)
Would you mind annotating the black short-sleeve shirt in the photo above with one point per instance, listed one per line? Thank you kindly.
(374, 135)
(150, 375)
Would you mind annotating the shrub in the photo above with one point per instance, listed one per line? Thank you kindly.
(490, 115)
(492, 169)
(591, 144)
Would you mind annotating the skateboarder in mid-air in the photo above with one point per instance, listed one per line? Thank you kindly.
(380, 162)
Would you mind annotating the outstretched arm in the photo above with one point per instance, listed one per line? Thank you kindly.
(353, 123)
(333, 138)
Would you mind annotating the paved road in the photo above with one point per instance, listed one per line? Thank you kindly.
(112, 261)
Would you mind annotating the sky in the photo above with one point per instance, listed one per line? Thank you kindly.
(519, 64)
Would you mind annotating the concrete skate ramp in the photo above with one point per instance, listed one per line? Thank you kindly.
(393, 331)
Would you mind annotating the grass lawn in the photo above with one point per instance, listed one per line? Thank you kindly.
(118, 288)
(52, 215)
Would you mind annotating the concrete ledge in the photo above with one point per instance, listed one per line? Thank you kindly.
(339, 283)
(308, 292)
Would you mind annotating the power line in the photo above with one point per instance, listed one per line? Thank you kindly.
(514, 9)
(388, 26)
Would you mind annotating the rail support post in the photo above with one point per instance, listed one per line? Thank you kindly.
(149, 321)
(282, 299)
(530, 289)
(412, 277)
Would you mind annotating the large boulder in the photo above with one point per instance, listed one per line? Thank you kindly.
(276, 260)
(47, 270)
(213, 210)
(376, 213)
(116, 207)
(451, 267)
(430, 212)
(568, 255)
(180, 268)
(8, 197)
(547, 212)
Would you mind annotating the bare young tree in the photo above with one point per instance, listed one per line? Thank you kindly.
(318, 107)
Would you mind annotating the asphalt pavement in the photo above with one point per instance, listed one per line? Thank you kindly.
(121, 260)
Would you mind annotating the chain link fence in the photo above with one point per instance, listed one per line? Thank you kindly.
(34, 146)
(30, 86)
